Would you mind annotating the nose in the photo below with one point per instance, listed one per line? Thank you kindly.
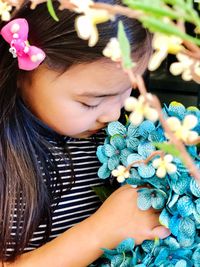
(111, 114)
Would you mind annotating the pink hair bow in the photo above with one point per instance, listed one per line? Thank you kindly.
(16, 34)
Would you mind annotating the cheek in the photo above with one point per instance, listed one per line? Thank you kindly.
(74, 120)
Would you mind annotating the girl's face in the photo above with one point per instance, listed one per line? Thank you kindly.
(80, 101)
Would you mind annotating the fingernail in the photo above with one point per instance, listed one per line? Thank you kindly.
(165, 232)
(133, 185)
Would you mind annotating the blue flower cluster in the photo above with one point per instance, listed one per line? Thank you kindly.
(176, 194)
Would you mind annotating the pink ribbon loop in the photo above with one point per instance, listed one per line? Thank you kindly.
(16, 34)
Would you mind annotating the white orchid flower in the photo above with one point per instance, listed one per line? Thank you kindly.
(112, 50)
(5, 9)
(184, 67)
(86, 25)
(82, 5)
(140, 110)
(163, 44)
(121, 173)
(183, 130)
(164, 165)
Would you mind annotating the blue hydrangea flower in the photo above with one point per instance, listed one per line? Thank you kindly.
(151, 198)
(177, 195)
(129, 133)
(144, 150)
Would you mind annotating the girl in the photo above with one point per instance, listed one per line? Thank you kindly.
(49, 119)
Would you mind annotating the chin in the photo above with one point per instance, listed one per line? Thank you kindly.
(83, 135)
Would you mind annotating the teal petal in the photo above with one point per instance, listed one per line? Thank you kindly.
(184, 241)
(187, 227)
(172, 243)
(145, 128)
(103, 171)
(146, 171)
(132, 131)
(196, 257)
(126, 245)
(181, 263)
(145, 149)
(134, 157)
(158, 198)
(158, 183)
(101, 154)
(116, 127)
(124, 155)
(177, 109)
(197, 202)
(185, 206)
(134, 179)
(174, 224)
(148, 246)
(195, 188)
(158, 203)
(173, 200)
(165, 218)
(157, 136)
(113, 162)
(182, 185)
(144, 199)
(117, 260)
(162, 256)
(109, 150)
(118, 141)
(132, 143)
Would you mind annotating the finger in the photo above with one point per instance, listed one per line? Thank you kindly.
(160, 232)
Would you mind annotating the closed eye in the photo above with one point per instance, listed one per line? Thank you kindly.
(89, 106)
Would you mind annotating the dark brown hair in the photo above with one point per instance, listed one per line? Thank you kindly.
(23, 192)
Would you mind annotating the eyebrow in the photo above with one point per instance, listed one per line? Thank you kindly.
(93, 94)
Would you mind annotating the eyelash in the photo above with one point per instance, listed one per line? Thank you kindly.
(88, 106)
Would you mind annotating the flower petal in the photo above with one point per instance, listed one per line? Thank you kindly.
(136, 118)
(145, 149)
(103, 171)
(185, 206)
(195, 188)
(190, 121)
(176, 109)
(83, 27)
(101, 155)
(113, 162)
(134, 157)
(116, 127)
(156, 59)
(174, 123)
(144, 199)
(109, 150)
(118, 141)
(146, 171)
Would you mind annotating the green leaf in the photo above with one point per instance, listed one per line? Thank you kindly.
(156, 25)
(168, 148)
(103, 192)
(148, 7)
(51, 10)
(124, 47)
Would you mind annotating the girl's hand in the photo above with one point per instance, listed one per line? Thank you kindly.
(119, 218)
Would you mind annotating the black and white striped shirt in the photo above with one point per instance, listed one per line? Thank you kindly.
(81, 201)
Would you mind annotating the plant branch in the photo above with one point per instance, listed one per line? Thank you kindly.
(145, 161)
